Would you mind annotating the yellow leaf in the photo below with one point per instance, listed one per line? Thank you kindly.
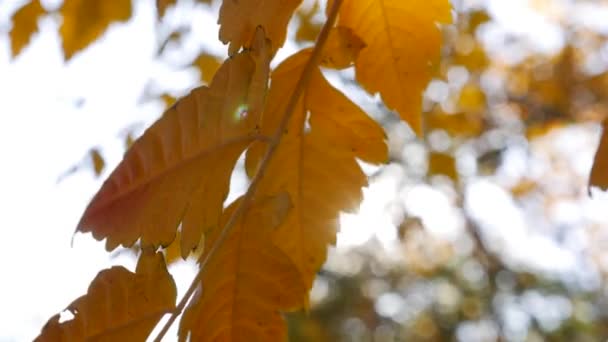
(315, 162)
(308, 29)
(541, 128)
(129, 140)
(25, 23)
(119, 305)
(168, 100)
(475, 59)
(477, 18)
(457, 124)
(524, 187)
(162, 5)
(247, 283)
(239, 20)
(179, 170)
(472, 98)
(341, 49)
(599, 171)
(173, 252)
(98, 162)
(403, 46)
(207, 65)
(86, 20)
(442, 164)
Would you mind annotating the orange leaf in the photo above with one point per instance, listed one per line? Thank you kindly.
(457, 124)
(119, 305)
(179, 170)
(308, 29)
(403, 45)
(317, 166)
(472, 99)
(86, 20)
(25, 23)
(443, 164)
(341, 49)
(98, 161)
(162, 5)
(207, 65)
(599, 171)
(247, 283)
(239, 20)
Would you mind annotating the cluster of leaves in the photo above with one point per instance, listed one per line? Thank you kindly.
(260, 254)
(429, 293)
(302, 139)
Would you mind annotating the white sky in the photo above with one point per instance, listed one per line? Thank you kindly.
(43, 133)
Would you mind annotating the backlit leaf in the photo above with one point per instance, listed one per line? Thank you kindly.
(207, 65)
(180, 168)
(403, 46)
(316, 162)
(247, 283)
(341, 49)
(173, 252)
(119, 305)
(599, 171)
(25, 24)
(240, 18)
(86, 20)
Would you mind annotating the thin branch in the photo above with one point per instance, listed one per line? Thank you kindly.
(272, 146)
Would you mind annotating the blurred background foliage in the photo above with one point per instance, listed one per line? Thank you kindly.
(492, 234)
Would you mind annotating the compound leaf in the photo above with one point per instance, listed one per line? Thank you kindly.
(179, 170)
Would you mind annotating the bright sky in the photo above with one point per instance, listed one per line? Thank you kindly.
(54, 113)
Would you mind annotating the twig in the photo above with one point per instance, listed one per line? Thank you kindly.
(272, 146)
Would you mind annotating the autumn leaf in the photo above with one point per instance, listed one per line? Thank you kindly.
(315, 162)
(247, 283)
(471, 99)
(442, 164)
(308, 30)
(457, 124)
(341, 49)
(179, 170)
(207, 65)
(239, 19)
(168, 100)
(86, 20)
(98, 162)
(403, 46)
(162, 5)
(119, 305)
(599, 171)
(25, 24)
